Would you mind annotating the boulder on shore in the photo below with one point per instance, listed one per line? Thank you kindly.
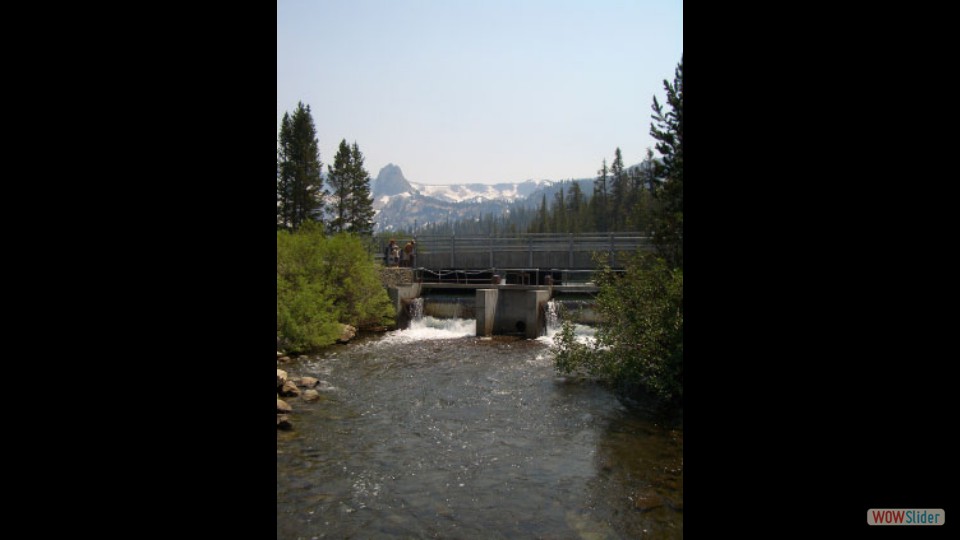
(347, 333)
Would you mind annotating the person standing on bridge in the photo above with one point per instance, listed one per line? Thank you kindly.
(392, 253)
(407, 255)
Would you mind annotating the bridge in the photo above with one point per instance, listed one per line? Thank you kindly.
(527, 259)
(505, 281)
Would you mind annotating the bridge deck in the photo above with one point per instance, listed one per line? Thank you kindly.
(576, 288)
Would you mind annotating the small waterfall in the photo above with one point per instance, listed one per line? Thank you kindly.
(553, 317)
(427, 327)
(416, 309)
(555, 312)
(423, 325)
(446, 306)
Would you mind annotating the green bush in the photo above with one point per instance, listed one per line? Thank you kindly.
(641, 340)
(351, 275)
(322, 283)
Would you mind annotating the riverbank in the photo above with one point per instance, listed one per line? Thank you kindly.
(308, 389)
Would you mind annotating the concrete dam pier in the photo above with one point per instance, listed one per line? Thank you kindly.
(499, 309)
(511, 310)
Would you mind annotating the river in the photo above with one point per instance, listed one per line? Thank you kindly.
(430, 432)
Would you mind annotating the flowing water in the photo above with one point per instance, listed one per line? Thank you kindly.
(430, 432)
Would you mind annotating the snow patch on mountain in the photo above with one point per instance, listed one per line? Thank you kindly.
(457, 193)
(399, 203)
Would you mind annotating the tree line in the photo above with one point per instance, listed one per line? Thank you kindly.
(340, 203)
(622, 199)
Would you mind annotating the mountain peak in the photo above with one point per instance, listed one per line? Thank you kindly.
(390, 181)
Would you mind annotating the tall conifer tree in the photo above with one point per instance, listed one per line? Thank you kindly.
(667, 129)
(618, 192)
(598, 204)
(338, 176)
(361, 201)
(300, 193)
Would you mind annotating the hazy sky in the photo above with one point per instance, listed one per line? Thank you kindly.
(485, 91)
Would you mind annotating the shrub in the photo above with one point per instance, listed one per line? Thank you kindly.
(321, 283)
(640, 341)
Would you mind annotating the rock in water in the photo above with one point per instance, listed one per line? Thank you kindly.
(281, 378)
(308, 382)
(311, 395)
(647, 501)
(283, 407)
(283, 422)
(289, 389)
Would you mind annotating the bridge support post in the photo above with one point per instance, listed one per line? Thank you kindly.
(536, 321)
(400, 294)
(486, 311)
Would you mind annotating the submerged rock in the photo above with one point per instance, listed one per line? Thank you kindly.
(647, 501)
(283, 422)
(311, 395)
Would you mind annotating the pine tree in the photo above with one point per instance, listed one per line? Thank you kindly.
(352, 206)
(338, 176)
(361, 202)
(636, 202)
(284, 178)
(667, 129)
(559, 217)
(598, 204)
(575, 208)
(300, 191)
(542, 224)
(281, 191)
(618, 192)
(648, 173)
